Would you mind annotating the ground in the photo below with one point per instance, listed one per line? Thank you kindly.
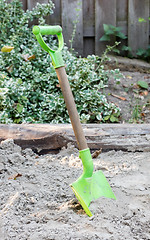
(38, 203)
(134, 101)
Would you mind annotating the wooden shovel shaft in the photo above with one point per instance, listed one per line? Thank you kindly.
(71, 107)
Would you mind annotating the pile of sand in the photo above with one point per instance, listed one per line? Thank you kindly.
(37, 202)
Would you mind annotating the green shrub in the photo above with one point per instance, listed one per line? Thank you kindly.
(29, 89)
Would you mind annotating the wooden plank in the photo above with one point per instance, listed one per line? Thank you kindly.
(88, 18)
(55, 18)
(71, 12)
(50, 137)
(138, 33)
(24, 3)
(105, 12)
(122, 15)
(122, 21)
(89, 46)
(122, 10)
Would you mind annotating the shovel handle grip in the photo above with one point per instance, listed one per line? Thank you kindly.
(47, 30)
(38, 31)
(56, 55)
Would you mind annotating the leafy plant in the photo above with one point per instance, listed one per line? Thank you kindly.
(111, 31)
(104, 56)
(136, 114)
(144, 54)
(29, 89)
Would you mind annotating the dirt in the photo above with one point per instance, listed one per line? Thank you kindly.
(38, 203)
(133, 100)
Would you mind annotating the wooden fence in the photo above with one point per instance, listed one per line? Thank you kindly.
(92, 14)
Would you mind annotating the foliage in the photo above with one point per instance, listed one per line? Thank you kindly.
(143, 19)
(29, 89)
(144, 54)
(111, 31)
(136, 113)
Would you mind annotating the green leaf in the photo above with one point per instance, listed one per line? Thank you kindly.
(140, 52)
(106, 27)
(125, 48)
(17, 120)
(121, 35)
(142, 20)
(113, 118)
(19, 81)
(105, 38)
(109, 32)
(142, 84)
(116, 50)
(24, 98)
(19, 107)
(106, 118)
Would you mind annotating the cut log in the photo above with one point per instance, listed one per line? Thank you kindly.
(45, 138)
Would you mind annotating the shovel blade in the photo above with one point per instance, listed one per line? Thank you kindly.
(89, 189)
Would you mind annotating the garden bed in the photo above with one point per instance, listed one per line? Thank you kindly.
(133, 100)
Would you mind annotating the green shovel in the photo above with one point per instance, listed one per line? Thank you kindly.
(90, 185)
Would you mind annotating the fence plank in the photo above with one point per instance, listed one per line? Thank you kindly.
(69, 15)
(55, 18)
(122, 15)
(105, 12)
(88, 18)
(88, 27)
(88, 46)
(122, 21)
(24, 3)
(138, 33)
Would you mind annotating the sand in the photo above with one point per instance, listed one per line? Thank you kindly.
(36, 201)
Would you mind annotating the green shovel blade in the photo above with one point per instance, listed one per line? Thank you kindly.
(89, 189)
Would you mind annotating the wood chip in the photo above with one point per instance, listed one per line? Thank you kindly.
(96, 153)
(121, 98)
(15, 176)
(26, 57)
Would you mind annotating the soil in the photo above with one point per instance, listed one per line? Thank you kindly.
(38, 203)
(135, 101)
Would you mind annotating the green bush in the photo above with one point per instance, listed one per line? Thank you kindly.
(29, 89)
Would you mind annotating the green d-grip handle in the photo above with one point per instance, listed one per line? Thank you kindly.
(56, 56)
